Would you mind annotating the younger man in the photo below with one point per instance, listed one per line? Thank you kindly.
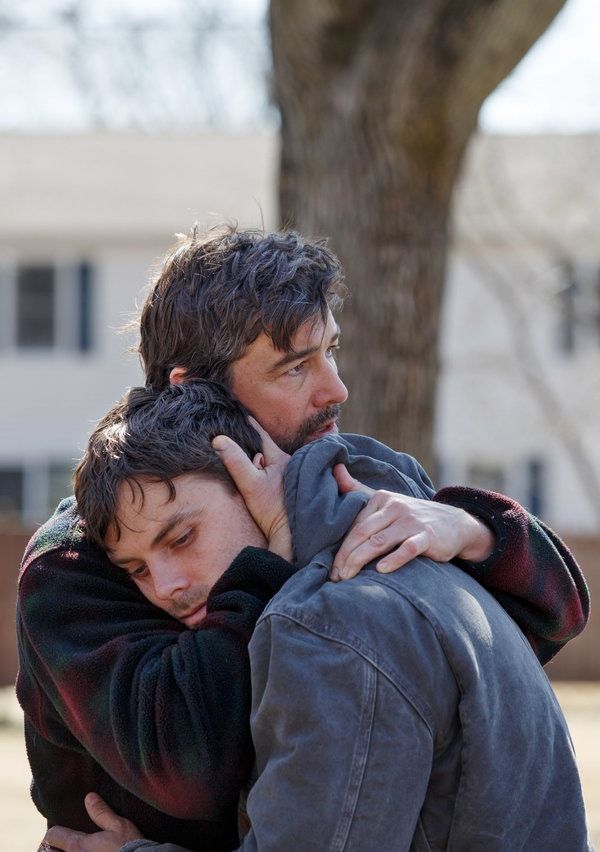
(394, 711)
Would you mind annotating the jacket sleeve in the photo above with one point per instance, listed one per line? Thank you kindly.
(162, 709)
(531, 572)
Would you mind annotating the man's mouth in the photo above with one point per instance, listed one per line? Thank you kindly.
(330, 428)
(194, 616)
(325, 423)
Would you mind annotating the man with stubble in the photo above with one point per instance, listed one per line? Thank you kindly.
(119, 696)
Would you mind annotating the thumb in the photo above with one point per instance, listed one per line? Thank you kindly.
(347, 483)
(237, 463)
(100, 813)
(272, 453)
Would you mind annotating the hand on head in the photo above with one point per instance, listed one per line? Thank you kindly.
(260, 482)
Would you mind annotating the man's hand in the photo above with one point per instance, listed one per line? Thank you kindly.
(260, 482)
(405, 527)
(115, 831)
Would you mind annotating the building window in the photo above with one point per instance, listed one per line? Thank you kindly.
(84, 282)
(35, 306)
(486, 476)
(30, 493)
(578, 307)
(567, 297)
(45, 306)
(535, 487)
(11, 492)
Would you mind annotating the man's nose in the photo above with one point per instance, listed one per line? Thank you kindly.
(331, 390)
(169, 579)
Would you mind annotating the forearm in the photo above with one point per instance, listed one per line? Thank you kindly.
(280, 542)
(530, 570)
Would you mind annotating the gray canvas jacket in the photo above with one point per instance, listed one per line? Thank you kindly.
(398, 711)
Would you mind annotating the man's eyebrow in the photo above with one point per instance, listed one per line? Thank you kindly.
(176, 519)
(299, 354)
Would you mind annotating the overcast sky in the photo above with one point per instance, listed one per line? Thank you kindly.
(555, 89)
(557, 86)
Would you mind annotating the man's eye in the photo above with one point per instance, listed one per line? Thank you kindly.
(297, 369)
(139, 572)
(183, 539)
(332, 351)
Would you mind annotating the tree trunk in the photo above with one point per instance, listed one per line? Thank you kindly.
(378, 100)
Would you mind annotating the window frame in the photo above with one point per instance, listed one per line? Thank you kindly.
(73, 308)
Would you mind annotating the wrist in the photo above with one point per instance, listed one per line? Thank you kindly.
(479, 540)
(280, 543)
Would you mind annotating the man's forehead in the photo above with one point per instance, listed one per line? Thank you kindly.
(314, 331)
(313, 334)
(136, 493)
(159, 499)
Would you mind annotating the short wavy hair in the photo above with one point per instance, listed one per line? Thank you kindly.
(217, 292)
(157, 436)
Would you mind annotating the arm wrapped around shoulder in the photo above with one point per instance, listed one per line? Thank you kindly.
(531, 572)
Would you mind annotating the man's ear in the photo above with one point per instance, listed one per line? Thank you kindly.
(177, 375)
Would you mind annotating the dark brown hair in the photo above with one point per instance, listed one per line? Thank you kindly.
(217, 292)
(156, 435)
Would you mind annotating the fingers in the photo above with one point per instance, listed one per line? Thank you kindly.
(59, 837)
(264, 435)
(362, 553)
(399, 527)
(259, 461)
(410, 548)
(237, 463)
(273, 454)
(100, 813)
(369, 522)
(259, 483)
(115, 831)
(380, 543)
(347, 483)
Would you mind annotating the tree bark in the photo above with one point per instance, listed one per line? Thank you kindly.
(378, 100)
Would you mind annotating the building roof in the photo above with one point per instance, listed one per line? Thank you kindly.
(131, 187)
(134, 188)
(534, 191)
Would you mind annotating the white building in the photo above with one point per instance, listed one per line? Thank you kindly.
(519, 399)
(83, 218)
